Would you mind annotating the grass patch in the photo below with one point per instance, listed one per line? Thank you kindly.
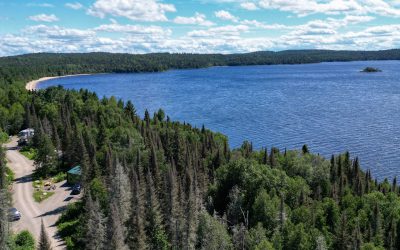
(40, 195)
(28, 152)
(59, 177)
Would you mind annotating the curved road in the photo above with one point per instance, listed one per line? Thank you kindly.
(32, 212)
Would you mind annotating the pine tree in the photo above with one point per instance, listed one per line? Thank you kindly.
(305, 149)
(174, 213)
(136, 233)
(394, 185)
(265, 156)
(333, 171)
(95, 232)
(44, 241)
(156, 237)
(116, 229)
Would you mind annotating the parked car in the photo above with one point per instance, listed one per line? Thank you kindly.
(76, 189)
(13, 214)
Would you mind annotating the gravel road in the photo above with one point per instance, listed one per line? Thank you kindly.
(32, 212)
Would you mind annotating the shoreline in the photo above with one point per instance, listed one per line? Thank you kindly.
(32, 85)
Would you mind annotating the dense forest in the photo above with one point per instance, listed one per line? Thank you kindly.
(34, 66)
(153, 183)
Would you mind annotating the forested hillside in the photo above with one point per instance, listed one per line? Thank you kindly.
(33, 66)
(153, 183)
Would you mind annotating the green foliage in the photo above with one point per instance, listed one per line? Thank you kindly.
(59, 177)
(147, 182)
(211, 234)
(3, 137)
(10, 176)
(29, 152)
(24, 241)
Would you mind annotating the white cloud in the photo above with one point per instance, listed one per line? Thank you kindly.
(222, 31)
(261, 25)
(134, 29)
(198, 19)
(249, 6)
(59, 33)
(44, 18)
(137, 10)
(43, 5)
(332, 7)
(225, 15)
(75, 6)
(225, 39)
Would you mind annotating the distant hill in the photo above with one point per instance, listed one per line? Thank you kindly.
(24, 67)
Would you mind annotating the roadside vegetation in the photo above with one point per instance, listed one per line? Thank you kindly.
(153, 183)
(22, 241)
(28, 152)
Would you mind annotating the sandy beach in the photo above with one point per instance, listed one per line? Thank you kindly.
(32, 85)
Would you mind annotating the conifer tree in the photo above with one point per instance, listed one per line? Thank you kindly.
(265, 156)
(95, 232)
(305, 149)
(156, 237)
(136, 233)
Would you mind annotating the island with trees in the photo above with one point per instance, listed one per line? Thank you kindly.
(371, 70)
(154, 183)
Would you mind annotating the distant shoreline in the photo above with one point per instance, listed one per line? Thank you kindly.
(32, 85)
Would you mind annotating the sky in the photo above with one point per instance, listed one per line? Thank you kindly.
(196, 26)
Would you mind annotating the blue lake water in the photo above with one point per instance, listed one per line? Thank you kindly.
(332, 107)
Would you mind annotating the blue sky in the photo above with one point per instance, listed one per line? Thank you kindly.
(196, 26)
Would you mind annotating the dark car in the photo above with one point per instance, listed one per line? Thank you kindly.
(76, 189)
(13, 214)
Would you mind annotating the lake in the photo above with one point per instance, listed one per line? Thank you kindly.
(332, 107)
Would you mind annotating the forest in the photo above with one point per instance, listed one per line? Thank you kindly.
(34, 66)
(154, 183)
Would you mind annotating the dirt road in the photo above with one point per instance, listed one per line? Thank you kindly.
(32, 212)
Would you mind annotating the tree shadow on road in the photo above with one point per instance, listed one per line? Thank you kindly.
(24, 179)
(58, 210)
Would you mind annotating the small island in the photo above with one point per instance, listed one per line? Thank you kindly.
(371, 70)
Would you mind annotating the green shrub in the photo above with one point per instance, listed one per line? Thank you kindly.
(69, 242)
(67, 228)
(28, 152)
(3, 137)
(24, 241)
(10, 176)
(60, 177)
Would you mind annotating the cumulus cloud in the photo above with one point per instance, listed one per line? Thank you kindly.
(74, 6)
(262, 25)
(224, 39)
(222, 31)
(197, 19)
(137, 10)
(59, 33)
(155, 31)
(225, 15)
(44, 18)
(332, 7)
(249, 6)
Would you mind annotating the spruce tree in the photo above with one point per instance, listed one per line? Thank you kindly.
(95, 230)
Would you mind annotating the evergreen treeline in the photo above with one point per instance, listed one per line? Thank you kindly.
(34, 66)
(153, 183)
